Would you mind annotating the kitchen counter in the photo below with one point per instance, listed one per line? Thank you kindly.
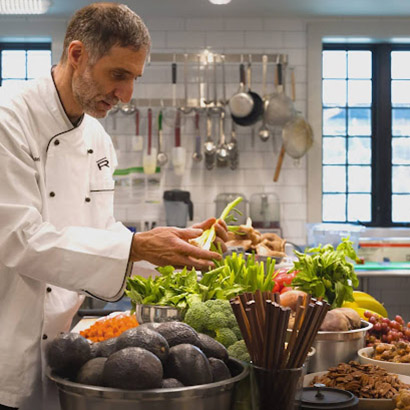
(383, 269)
(388, 282)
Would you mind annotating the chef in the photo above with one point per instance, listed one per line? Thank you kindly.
(58, 237)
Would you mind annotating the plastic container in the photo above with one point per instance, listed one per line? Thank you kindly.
(223, 199)
(323, 234)
(264, 210)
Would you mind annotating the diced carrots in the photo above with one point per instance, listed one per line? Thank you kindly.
(109, 327)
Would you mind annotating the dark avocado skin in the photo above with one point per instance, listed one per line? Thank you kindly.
(219, 370)
(150, 325)
(145, 338)
(188, 364)
(212, 348)
(171, 383)
(104, 348)
(67, 352)
(178, 333)
(133, 368)
(92, 372)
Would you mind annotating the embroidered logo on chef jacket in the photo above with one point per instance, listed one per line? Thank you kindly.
(103, 162)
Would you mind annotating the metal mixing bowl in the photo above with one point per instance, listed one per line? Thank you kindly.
(154, 313)
(223, 395)
(333, 348)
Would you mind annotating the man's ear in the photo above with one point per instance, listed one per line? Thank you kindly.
(76, 53)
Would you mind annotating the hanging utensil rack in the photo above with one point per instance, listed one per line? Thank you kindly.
(205, 58)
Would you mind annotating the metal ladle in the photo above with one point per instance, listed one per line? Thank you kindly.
(264, 132)
(162, 157)
(129, 108)
(222, 153)
(209, 145)
(197, 155)
(232, 147)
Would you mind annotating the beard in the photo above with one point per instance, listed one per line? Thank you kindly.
(90, 95)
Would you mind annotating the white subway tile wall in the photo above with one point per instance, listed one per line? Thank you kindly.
(257, 159)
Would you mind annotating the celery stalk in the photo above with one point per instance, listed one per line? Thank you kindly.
(207, 238)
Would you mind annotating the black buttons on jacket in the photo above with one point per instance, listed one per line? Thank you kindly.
(56, 142)
(52, 194)
(87, 199)
(90, 151)
(49, 289)
(45, 337)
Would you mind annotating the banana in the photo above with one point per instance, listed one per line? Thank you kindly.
(368, 302)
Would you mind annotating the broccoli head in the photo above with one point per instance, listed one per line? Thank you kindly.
(237, 331)
(239, 351)
(197, 316)
(219, 305)
(218, 320)
(226, 336)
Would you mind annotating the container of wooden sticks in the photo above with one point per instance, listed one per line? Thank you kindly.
(276, 366)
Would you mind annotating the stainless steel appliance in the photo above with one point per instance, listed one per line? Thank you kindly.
(178, 207)
(224, 198)
(265, 210)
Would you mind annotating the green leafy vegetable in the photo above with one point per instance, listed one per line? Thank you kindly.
(325, 273)
(233, 275)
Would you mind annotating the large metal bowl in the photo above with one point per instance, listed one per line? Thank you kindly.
(155, 313)
(223, 395)
(333, 348)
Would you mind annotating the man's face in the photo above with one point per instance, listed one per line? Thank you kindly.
(98, 87)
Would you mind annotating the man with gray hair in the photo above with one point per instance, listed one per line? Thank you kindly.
(58, 237)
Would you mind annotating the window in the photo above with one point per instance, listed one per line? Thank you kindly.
(366, 134)
(21, 62)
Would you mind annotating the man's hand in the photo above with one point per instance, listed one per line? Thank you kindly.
(221, 231)
(169, 246)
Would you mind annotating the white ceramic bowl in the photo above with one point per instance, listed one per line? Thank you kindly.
(399, 368)
(364, 404)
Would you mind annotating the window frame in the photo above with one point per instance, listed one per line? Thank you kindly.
(367, 32)
(381, 136)
(27, 46)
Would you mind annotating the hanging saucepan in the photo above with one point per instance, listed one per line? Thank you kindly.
(280, 108)
(241, 104)
(257, 109)
(297, 137)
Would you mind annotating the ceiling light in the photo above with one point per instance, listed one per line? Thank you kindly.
(24, 6)
(219, 1)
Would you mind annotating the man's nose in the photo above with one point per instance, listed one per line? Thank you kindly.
(124, 93)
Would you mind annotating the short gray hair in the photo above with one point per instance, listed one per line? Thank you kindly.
(100, 26)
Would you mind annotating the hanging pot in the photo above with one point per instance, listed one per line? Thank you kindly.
(257, 107)
(241, 104)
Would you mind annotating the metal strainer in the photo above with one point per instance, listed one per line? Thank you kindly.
(297, 137)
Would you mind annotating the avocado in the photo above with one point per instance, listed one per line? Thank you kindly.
(171, 383)
(178, 333)
(212, 348)
(67, 352)
(150, 325)
(219, 370)
(188, 364)
(145, 338)
(92, 372)
(104, 348)
(133, 368)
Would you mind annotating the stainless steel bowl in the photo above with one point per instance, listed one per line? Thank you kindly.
(154, 313)
(222, 395)
(333, 348)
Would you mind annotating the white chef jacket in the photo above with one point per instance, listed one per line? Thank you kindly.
(58, 237)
